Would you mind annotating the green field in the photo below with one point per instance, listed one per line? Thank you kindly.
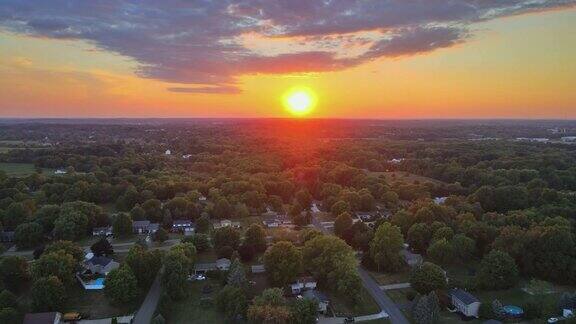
(196, 308)
(21, 169)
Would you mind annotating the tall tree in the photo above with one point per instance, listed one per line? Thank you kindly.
(48, 294)
(386, 246)
(283, 263)
(121, 285)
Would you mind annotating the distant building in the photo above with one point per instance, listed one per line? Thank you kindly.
(396, 161)
(60, 171)
(568, 139)
(102, 231)
(411, 259)
(186, 156)
(226, 223)
(533, 139)
(302, 284)
(7, 236)
(223, 264)
(465, 302)
(42, 318)
(440, 200)
(259, 268)
(168, 152)
(144, 227)
(184, 226)
(318, 297)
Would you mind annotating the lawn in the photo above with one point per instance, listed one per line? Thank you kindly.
(391, 278)
(21, 169)
(196, 308)
(95, 304)
(342, 308)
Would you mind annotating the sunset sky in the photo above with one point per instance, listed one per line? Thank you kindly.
(224, 58)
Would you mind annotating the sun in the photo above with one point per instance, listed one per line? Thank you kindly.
(299, 101)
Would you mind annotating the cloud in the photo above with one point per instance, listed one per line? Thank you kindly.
(197, 43)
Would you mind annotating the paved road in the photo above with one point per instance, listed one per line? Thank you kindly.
(148, 307)
(118, 248)
(386, 304)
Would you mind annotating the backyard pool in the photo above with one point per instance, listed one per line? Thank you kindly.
(513, 311)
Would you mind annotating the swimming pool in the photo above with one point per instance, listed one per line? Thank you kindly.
(513, 311)
(99, 281)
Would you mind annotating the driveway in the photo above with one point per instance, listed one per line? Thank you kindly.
(146, 312)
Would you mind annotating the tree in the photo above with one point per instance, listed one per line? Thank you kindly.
(333, 263)
(28, 235)
(342, 225)
(443, 232)
(7, 300)
(189, 250)
(231, 301)
(138, 213)
(256, 237)
(226, 236)
(203, 225)
(269, 307)
(48, 294)
(102, 247)
(201, 242)
(70, 225)
(427, 277)
(10, 315)
(13, 272)
(46, 216)
(246, 252)
(304, 311)
(498, 271)
(161, 235)
(340, 207)
(418, 237)
(426, 309)
(386, 246)
(222, 209)
(67, 247)
(283, 263)
(122, 225)
(464, 247)
(121, 285)
(304, 198)
(58, 264)
(236, 274)
(144, 264)
(176, 269)
(441, 252)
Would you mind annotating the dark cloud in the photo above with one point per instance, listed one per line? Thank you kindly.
(196, 41)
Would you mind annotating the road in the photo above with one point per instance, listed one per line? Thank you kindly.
(146, 312)
(118, 248)
(386, 304)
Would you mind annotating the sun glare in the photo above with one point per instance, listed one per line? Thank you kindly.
(300, 102)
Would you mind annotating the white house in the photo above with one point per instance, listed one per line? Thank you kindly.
(184, 226)
(465, 302)
(303, 284)
(168, 152)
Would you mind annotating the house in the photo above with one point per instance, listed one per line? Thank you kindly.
(7, 236)
(144, 227)
(184, 226)
(366, 217)
(101, 265)
(186, 156)
(396, 161)
(259, 268)
(465, 302)
(568, 139)
(271, 222)
(60, 171)
(411, 259)
(223, 264)
(318, 297)
(315, 209)
(202, 198)
(168, 152)
(202, 268)
(302, 284)
(440, 200)
(102, 231)
(42, 318)
(226, 223)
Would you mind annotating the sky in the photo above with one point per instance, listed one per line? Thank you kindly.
(383, 59)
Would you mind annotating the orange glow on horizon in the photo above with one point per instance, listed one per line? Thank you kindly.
(300, 101)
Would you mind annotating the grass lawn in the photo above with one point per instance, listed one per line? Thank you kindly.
(391, 278)
(21, 169)
(342, 308)
(95, 304)
(196, 308)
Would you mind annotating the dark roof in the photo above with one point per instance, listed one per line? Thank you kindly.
(315, 295)
(102, 261)
(492, 322)
(40, 318)
(463, 296)
(141, 223)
